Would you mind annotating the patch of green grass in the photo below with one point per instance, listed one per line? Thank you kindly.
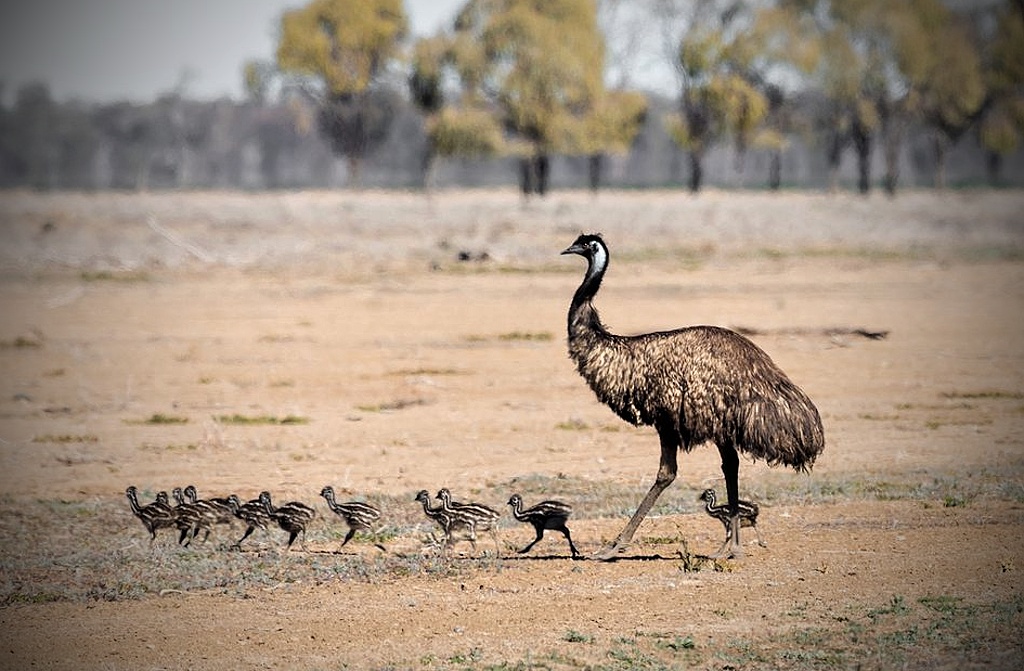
(66, 438)
(992, 394)
(897, 606)
(114, 276)
(514, 336)
(170, 447)
(388, 406)
(427, 372)
(260, 420)
(527, 336)
(573, 636)
(21, 342)
(281, 384)
(952, 501)
(276, 338)
(158, 418)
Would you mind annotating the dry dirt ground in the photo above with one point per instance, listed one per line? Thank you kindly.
(242, 342)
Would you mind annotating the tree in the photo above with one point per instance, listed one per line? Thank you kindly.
(1002, 121)
(885, 64)
(610, 127)
(463, 128)
(718, 98)
(537, 66)
(35, 150)
(784, 48)
(344, 48)
(257, 78)
(952, 90)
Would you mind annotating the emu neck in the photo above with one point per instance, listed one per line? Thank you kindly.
(133, 502)
(583, 317)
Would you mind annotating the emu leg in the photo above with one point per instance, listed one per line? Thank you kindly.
(248, 531)
(731, 471)
(721, 552)
(670, 443)
(758, 534)
(497, 544)
(565, 532)
(540, 534)
(348, 537)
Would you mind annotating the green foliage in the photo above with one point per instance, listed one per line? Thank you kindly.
(345, 44)
(613, 123)
(1002, 128)
(159, 418)
(425, 81)
(465, 131)
(540, 64)
(247, 420)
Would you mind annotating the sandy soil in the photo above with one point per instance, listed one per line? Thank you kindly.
(417, 370)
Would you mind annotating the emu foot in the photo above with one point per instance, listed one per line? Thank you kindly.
(729, 550)
(610, 553)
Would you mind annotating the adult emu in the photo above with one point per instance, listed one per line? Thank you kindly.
(694, 385)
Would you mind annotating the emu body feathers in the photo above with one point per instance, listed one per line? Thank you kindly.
(720, 386)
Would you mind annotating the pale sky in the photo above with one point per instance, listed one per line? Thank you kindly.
(102, 50)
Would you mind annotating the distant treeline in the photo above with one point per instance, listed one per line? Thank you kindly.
(178, 143)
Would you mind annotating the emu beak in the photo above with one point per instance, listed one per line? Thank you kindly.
(572, 249)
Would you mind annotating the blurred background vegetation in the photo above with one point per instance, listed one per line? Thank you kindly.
(768, 94)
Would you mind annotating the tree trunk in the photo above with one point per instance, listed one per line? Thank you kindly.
(775, 170)
(543, 168)
(533, 175)
(994, 168)
(835, 155)
(696, 170)
(355, 172)
(595, 163)
(893, 142)
(428, 168)
(941, 145)
(862, 143)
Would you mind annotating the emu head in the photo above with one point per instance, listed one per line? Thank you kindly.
(515, 501)
(423, 495)
(588, 245)
(591, 247)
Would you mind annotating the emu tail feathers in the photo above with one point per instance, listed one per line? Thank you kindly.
(787, 430)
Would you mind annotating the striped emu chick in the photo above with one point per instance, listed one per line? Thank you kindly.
(748, 512)
(154, 516)
(695, 385)
(213, 511)
(357, 515)
(447, 521)
(473, 516)
(437, 515)
(292, 517)
(189, 518)
(253, 513)
(545, 515)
